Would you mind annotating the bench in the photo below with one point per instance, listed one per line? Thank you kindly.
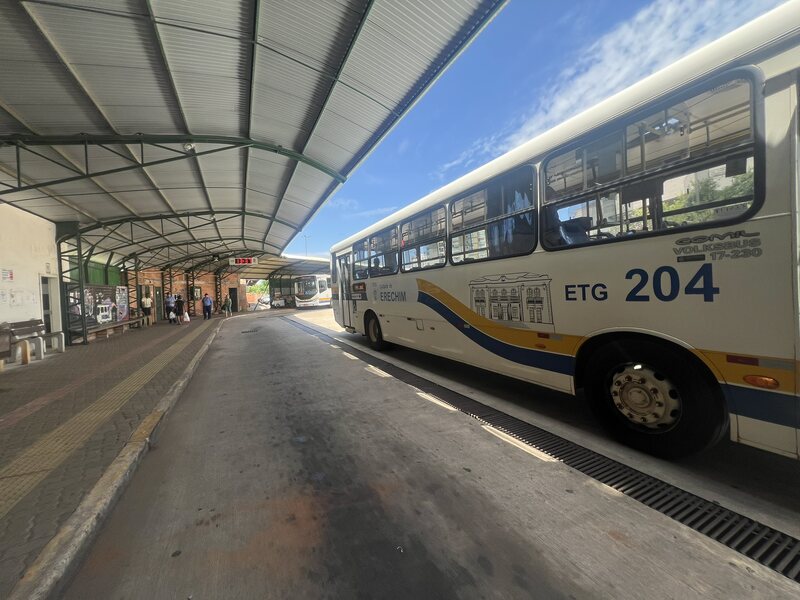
(21, 335)
(111, 329)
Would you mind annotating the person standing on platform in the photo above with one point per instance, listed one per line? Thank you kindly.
(178, 309)
(207, 304)
(169, 306)
(147, 308)
(226, 305)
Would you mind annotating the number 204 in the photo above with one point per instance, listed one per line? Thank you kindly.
(667, 284)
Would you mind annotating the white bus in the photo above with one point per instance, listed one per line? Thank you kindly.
(645, 251)
(312, 290)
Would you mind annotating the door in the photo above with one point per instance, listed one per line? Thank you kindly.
(47, 314)
(234, 296)
(345, 291)
(158, 303)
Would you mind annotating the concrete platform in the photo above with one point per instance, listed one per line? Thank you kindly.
(292, 469)
(64, 420)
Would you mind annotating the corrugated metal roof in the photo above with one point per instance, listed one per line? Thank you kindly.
(296, 98)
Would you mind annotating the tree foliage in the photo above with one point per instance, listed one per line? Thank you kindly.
(260, 287)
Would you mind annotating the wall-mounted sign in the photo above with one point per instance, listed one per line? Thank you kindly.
(242, 261)
(7, 274)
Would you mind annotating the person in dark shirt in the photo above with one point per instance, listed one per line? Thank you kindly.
(179, 309)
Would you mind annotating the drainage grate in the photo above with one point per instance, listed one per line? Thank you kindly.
(772, 548)
(249, 330)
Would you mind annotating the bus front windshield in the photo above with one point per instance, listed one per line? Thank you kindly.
(305, 288)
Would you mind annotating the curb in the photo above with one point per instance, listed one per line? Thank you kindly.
(63, 554)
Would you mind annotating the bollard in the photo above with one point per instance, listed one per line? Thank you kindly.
(25, 352)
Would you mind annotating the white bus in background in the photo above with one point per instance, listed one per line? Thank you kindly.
(646, 251)
(311, 291)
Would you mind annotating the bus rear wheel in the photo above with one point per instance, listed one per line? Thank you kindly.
(655, 398)
(374, 333)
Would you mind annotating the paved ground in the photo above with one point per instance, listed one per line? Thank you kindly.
(63, 420)
(306, 473)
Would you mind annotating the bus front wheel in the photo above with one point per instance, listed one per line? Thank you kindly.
(374, 333)
(655, 398)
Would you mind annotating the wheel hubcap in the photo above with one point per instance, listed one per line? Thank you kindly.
(645, 397)
(373, 330)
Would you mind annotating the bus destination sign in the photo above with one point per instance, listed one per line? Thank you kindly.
(242, 261)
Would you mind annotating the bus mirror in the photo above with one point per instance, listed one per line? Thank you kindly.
(736, 166)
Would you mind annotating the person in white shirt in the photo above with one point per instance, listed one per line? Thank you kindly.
(147, 308)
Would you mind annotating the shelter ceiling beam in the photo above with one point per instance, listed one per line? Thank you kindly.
(178, 103)
(177, 246)
(81, 85)
(96, 105)
(322, 111)
(185, 214)
(84, 90)
(162, 235)
(210, 258)
(251, 94)
(153, 139)
(6, 140)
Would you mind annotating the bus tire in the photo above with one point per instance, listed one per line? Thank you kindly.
(655, 398)
(374, 333)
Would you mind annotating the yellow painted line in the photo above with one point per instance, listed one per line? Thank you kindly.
(37, 461)
(377, 371)
(521, 445)
(350, 356)
(435, 400)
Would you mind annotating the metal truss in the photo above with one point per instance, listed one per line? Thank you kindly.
(27, 143)
(160, 254)
(71, 276)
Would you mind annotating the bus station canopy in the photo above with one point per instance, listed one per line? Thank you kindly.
(285, 265)
(170, 133)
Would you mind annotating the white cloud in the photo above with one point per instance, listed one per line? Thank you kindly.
(656, 36)
(343, 203)
(375, 212)
(348, 208)
(403, 146)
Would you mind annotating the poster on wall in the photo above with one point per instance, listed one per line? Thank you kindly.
(122, 303)
(105, 304)
(7, 274)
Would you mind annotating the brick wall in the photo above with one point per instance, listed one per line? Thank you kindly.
(151, 278)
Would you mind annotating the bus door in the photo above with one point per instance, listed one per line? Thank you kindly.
(345, 292)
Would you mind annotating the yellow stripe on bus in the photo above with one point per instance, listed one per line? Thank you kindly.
(782, 370)
(517, 336)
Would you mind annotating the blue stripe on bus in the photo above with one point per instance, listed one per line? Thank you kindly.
(763, 405)
(524, 356)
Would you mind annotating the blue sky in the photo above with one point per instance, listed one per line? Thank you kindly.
(538, 63)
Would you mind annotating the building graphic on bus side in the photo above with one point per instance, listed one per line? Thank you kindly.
(513, 297)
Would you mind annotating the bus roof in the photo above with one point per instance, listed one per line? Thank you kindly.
(734, 49)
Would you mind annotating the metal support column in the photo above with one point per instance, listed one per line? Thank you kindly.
(190, 287)
(218, 288)
(69, 249)
(132, 284)
(187, 301)
(163, 297)
(106, 277)
(136, 266)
